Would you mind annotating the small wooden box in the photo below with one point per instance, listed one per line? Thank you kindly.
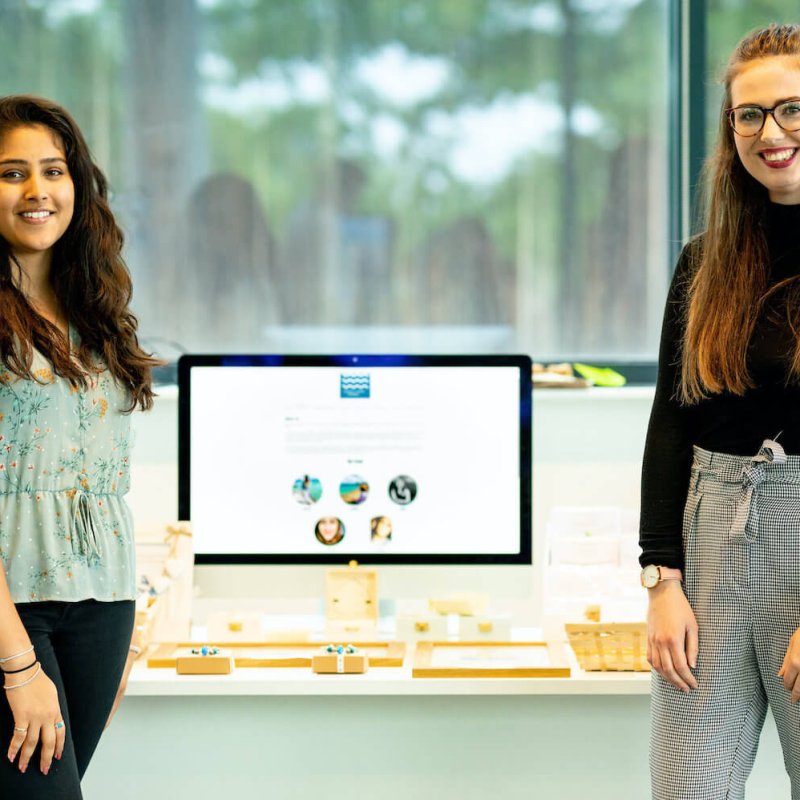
(351, 595)
(485, 628)
(345, 663)
(234, 626)
(192, 664)
(421, 627)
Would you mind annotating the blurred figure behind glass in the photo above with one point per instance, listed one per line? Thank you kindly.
(231, 284)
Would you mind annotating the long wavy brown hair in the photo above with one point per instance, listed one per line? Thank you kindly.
(88, 275)
(729, 272)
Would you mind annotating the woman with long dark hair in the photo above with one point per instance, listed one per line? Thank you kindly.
(71, 371)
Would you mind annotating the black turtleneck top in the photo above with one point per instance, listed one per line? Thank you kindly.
(725, 423)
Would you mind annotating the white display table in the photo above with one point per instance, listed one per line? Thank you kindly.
(377, 681)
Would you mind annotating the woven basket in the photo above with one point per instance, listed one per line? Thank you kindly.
(610, 647)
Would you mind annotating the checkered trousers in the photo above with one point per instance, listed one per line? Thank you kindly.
(741, 536)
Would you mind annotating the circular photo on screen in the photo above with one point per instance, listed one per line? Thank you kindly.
(354, 490)
(402, 490)
(329, 530)
(380, 530)
(307, 490)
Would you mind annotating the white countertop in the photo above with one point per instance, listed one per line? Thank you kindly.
(294, 681)
(378, 681)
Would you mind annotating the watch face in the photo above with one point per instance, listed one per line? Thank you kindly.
(650, 576)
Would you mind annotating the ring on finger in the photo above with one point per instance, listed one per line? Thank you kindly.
(20, 730)
(59, 725)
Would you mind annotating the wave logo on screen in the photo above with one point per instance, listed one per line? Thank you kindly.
(354, 386)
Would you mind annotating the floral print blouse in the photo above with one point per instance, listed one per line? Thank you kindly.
(66, 532)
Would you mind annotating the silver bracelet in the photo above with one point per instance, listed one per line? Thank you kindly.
(135, 650)
(16, 655)
(27, 681)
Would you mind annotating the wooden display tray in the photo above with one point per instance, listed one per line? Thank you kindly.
(487, 659)
(278, 654)
(548, 381)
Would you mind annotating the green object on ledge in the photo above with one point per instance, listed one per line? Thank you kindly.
(600, 376)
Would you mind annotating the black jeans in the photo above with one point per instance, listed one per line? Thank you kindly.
(82, 648)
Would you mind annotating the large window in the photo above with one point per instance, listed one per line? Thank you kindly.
(316, 175)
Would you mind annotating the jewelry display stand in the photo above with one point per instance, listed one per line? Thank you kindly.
(351, 603)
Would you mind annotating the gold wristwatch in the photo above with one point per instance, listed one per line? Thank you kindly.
(652, 575)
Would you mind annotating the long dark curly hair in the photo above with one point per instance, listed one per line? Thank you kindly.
(88, 275)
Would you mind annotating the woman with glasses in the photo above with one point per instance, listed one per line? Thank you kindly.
(71, 371)
(720, 525)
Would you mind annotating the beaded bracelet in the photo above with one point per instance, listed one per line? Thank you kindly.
(16, 671)
(16, 655)
(27, 681)
(341, 649)
(205, 651)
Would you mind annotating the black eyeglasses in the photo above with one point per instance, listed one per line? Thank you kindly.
(748, 120)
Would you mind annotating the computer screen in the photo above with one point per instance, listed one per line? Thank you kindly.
(381, 459)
